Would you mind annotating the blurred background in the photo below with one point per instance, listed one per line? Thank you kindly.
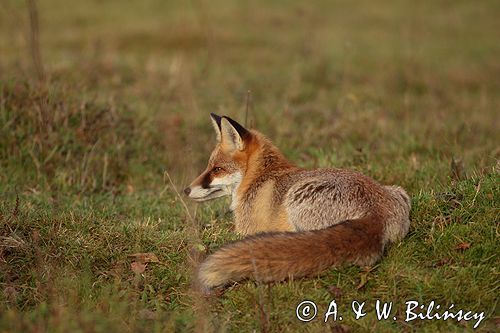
(395, 78)
(99, 98)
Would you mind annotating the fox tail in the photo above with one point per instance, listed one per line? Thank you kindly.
(277, 256)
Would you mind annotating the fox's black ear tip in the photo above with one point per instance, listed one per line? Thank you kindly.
(229, 119)
(216, 118)
(240, 129)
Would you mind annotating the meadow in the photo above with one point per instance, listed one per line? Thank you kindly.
(104, 118)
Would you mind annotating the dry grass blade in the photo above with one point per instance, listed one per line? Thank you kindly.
(34, 39)
(12, 242)
(201, 306)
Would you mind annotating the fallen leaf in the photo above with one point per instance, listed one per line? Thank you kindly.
(138, 267)
(442, 262)
(496, 321)
(145, 258)
(335, 291)
(463, 246)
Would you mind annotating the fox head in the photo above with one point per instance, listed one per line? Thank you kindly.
(227, 164)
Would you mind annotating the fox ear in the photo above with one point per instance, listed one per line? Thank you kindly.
(233, 134)
(216, 122)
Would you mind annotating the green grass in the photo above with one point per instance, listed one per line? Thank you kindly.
(395, 90)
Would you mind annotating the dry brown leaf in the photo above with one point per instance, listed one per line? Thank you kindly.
(335, 291)
(145, 258)
(463, 246)
(442, 262)
(138, 267)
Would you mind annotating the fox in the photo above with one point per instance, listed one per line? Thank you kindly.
(296, 222)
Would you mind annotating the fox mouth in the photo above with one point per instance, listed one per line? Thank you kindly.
(218, 187)
(214, 193)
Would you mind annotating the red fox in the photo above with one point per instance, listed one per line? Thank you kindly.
(299, 222)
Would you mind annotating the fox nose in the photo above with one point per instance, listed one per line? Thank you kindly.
(187, 190)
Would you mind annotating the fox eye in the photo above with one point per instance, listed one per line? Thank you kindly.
(216, 169)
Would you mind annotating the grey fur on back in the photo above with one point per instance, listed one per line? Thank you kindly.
(321, 198)
(398, 221)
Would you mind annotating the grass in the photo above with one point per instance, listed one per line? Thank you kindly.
(396, 90)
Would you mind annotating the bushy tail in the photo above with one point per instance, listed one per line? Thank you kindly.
(278, 256)
(397, 224)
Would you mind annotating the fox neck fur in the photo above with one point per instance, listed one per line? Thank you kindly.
(258, 199)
